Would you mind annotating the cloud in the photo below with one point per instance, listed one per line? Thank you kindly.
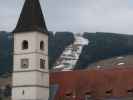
(76, 15)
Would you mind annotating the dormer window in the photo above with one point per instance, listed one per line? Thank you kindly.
(109, 92)
(24, 45)
(88, 96)
(41, 45)
(68, 95)
(130, 92)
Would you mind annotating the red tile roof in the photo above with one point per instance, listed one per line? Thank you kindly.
(100, 83)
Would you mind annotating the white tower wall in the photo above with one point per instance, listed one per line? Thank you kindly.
(30, 83)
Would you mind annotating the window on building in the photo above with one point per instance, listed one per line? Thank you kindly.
(7, 91)
(42, 63)
(68, 96)
(41, 45)
(88, 96)
(109, 92)
(130, 92)
(23, 92)
(24, 63)
(25, 44)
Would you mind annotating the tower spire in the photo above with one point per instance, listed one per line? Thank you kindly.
(31, 18)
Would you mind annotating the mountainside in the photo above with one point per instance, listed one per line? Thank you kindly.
(114, 62)
(70, 55)
(101, 46)
(57, 44)
(5, 52)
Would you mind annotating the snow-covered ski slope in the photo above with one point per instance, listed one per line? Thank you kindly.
(70, 55)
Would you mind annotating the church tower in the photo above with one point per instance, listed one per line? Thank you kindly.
(30, 70)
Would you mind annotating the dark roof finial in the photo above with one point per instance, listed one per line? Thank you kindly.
(31, 18)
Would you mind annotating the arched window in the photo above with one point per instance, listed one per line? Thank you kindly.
(41, 45)
(25, 44)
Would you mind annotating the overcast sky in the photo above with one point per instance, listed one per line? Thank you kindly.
(75, 15)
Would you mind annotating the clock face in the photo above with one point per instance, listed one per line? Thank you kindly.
(24, 63)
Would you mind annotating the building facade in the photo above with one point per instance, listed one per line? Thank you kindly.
(30, 58)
